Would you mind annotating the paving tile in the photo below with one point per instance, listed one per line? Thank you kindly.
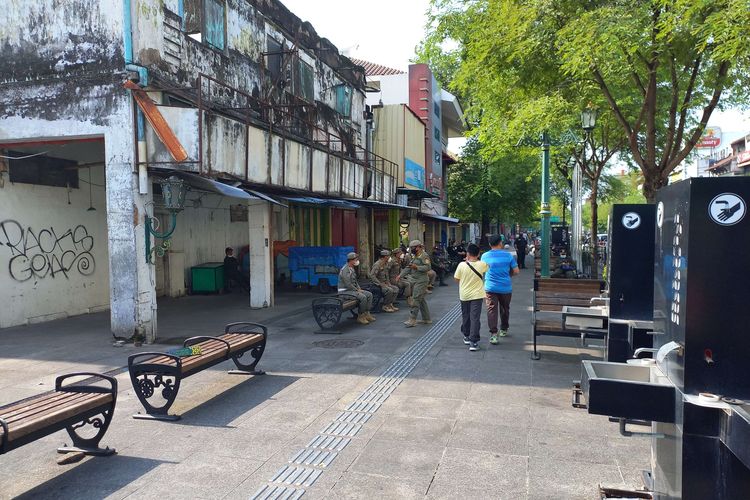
(566, 446)
(423, 407)
(495, 414)
(479, 474)
(415, 464)
(484, 436)
(415, 430)
(568, 479)
(359, 486)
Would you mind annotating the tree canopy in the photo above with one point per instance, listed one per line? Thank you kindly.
(660, 67)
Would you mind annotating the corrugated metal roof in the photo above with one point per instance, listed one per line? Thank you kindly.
(373, 69)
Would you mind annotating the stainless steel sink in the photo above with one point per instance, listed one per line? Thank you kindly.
(628, 391)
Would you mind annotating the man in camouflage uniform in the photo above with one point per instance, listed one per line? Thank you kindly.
(394, 274)
(417, 270)
(348, 283)
(379, 277)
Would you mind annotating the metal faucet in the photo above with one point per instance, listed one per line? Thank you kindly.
(641, 350)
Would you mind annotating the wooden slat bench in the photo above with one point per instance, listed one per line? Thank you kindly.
(150, 371)
(550, 295)
(553, 259)
(70, 407)
(327, 311)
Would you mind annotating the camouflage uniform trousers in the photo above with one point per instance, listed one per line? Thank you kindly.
(419, 291)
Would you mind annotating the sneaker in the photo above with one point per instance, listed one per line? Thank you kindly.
(473, 346)
(466, 340)
(410, 323)
(493, 339)
(503, 333)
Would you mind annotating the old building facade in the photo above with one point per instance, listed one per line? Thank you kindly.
(102, 100)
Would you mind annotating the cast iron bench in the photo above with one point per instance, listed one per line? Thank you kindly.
(551, 295)
(70, 407)
(327, 311)
(150, 371)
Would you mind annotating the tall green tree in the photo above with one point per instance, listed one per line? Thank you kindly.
(660, 66)
(487, 186)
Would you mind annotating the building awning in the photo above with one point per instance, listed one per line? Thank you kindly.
(415, 193)
(265, 197)
(382, 204)
(442, 218)
(330, 202)
(212, 186)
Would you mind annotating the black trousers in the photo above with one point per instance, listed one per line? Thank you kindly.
(471, 313)
(521, 258)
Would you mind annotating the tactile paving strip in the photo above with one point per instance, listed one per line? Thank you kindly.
(306, 466)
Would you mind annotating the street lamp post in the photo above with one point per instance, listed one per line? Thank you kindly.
(545, 141)
(588, 123)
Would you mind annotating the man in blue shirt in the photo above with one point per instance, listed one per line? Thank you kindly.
(497, 285)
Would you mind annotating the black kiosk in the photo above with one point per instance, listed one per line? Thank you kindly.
(630, 277)
(696, 391)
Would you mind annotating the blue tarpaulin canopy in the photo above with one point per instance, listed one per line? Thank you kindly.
(322, 201)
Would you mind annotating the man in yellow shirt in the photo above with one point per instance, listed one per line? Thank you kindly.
(470, 277)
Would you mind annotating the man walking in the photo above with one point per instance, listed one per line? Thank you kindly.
(348, 283)
(498, 286)
(379, 277)
(470, 277)
(417, 270)
(520, 243)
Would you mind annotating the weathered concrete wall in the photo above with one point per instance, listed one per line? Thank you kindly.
(53, 253)
(54, 38)
(204, 230)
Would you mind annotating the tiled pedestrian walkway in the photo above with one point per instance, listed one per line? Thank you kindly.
(487, 424)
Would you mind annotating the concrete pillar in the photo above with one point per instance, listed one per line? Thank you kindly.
(261, 275)
(364, 230)
(415, 227)
(132, 283)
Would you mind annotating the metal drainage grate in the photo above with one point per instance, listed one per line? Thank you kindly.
(338, 343)
(324, 448)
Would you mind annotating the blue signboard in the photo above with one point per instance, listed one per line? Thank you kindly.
(414, 174)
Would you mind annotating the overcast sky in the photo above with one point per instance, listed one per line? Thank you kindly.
(379, 31)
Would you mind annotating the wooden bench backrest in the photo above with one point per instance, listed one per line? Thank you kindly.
(552, 294)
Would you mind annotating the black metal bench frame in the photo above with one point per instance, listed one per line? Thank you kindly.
(582, 333)
(98, 418)
(327, 311)
(147, 377)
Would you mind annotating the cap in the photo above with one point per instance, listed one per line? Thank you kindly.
(351, 256)
(385, 253)
(415, 243)
(398, 250)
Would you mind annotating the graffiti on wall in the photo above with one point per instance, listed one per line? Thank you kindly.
(45, 253)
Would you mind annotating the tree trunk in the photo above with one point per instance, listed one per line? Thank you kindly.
(594, 229)
(485, 228)
(652, 182)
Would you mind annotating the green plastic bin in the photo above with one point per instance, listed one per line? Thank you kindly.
(207, 278)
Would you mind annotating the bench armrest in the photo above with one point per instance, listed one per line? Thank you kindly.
(86, 388)
(201, 338)
(230, 326)
(132, 358)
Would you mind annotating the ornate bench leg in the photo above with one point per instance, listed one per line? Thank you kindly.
(327, 313)
(147, 378)
(256, 352)
(90, 446)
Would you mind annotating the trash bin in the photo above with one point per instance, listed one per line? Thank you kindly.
(207, 278)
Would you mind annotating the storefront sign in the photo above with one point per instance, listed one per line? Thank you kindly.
(414, 174)
(711, 138)
(743, 158)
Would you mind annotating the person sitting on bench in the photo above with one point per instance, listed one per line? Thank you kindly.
(566, 267)
(232, 271)
(348, 283)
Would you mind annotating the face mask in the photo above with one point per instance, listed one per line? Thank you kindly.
(356, 263)
(401, 256)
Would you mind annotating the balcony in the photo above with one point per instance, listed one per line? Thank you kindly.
(292, 146)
